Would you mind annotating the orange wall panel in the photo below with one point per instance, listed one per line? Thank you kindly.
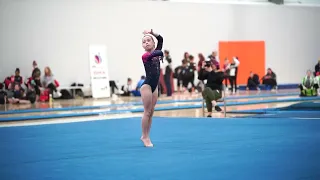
(251, 55)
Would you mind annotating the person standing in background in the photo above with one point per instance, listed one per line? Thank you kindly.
(200, 62)
(317, 68)
(233, 74)
(200, 85)
(186, 57)
(226, 68)
(162, 88)
(178, 75)
(35, 78)
(185, 75)
(168, 73)
(35, 70)
(191, 68)
(215, 59)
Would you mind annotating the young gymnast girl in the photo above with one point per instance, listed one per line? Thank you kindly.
(152, 44)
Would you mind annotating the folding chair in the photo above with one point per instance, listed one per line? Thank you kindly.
(223, 99)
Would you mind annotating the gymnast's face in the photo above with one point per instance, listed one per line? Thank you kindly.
(148, 43)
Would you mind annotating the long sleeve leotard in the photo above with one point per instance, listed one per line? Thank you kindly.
(151, 62)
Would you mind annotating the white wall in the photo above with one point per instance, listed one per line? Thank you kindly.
(57, 33)
(291, 35)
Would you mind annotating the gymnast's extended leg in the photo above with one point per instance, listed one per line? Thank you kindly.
(146, 95)
(154, 102)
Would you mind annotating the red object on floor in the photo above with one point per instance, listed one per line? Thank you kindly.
(44, 96)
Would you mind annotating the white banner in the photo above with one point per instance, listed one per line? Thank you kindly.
(99, 71)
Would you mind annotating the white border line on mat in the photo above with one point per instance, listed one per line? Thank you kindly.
(68, 120)
(305, 118)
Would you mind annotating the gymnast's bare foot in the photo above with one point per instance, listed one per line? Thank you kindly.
(146, 142)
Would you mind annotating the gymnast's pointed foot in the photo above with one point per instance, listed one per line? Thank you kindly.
(146, 141)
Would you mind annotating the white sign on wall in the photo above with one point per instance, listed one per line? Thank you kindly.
(99, 71)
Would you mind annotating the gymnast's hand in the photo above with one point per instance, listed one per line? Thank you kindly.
(148, 32)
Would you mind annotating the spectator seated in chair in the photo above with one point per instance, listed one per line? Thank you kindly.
(139, 84)
(213, 88)
(17, 79)
(18, 96)
(7, 81)
(34, 82)
(309, 85)
(127, 89)
(3, 93)
(253, 82)
(34, 86)
(49, 82)
(270, 80)
(9, 91)
(3, 98)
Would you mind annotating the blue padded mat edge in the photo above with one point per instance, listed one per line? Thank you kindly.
(50, 116)
(136, 104)
(280, 86)
(289, 114)
(249, 149)
(298, 107)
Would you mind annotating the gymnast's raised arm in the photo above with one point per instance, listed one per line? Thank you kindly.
(160, 40)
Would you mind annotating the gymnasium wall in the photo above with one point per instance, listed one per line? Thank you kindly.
(58, 33)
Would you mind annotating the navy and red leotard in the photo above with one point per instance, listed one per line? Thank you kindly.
(151, 62)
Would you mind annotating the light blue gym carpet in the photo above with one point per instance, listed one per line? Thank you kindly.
(185, 148)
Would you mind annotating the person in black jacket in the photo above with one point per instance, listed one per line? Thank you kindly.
(213, 88)
(36, 71)
(179, 74)
(270, 80)
(168, 72)
(188, 75)
(253, 82)
(35, 76)
(3, 96)
(317, 68)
